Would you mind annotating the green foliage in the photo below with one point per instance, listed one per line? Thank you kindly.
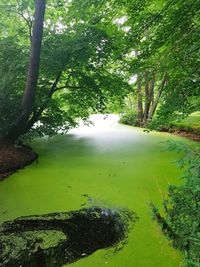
(166, 35)
(12, 78)
(90, 45)
(77, 51)
(129, 118)
(182, 216)
(182, 207)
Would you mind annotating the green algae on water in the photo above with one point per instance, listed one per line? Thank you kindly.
(116, 166)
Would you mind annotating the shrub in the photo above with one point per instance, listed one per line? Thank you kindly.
(129, 118)
(181, 219)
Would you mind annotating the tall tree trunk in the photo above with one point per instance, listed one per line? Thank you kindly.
(139, 97)
(28, 99)
(156, 102)
(149, 95)
(151, 89)
(147, 98)
(139, 101)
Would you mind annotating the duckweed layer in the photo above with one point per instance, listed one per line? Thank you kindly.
(107, 165)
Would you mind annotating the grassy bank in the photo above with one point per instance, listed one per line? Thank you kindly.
(188, 127)
(191, 124)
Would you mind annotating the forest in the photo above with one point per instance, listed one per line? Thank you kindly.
(99, 133)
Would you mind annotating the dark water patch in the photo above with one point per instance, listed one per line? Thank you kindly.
(55, 239)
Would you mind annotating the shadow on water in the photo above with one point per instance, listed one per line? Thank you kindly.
(55, 239)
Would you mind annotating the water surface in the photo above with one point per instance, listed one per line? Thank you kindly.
(104, 165)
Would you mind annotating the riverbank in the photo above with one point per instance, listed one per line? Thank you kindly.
(176, 131)
(182, 133)
(188, 127)
(14, 157)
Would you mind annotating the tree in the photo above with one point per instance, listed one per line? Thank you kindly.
(19, 126)
(90, 51)
(160, 33)
(75, 75)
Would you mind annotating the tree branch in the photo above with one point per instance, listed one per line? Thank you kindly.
(180, 20)
(160, 13)
(53, 89)
(37, 114)
(29, 23)
(67, 86)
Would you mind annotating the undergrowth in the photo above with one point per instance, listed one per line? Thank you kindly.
(180, 219)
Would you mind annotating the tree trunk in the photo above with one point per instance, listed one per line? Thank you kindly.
(151, 89)
(139, 101)
(28, 99)
(160, 91)
(147, 98)
(139, 97)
